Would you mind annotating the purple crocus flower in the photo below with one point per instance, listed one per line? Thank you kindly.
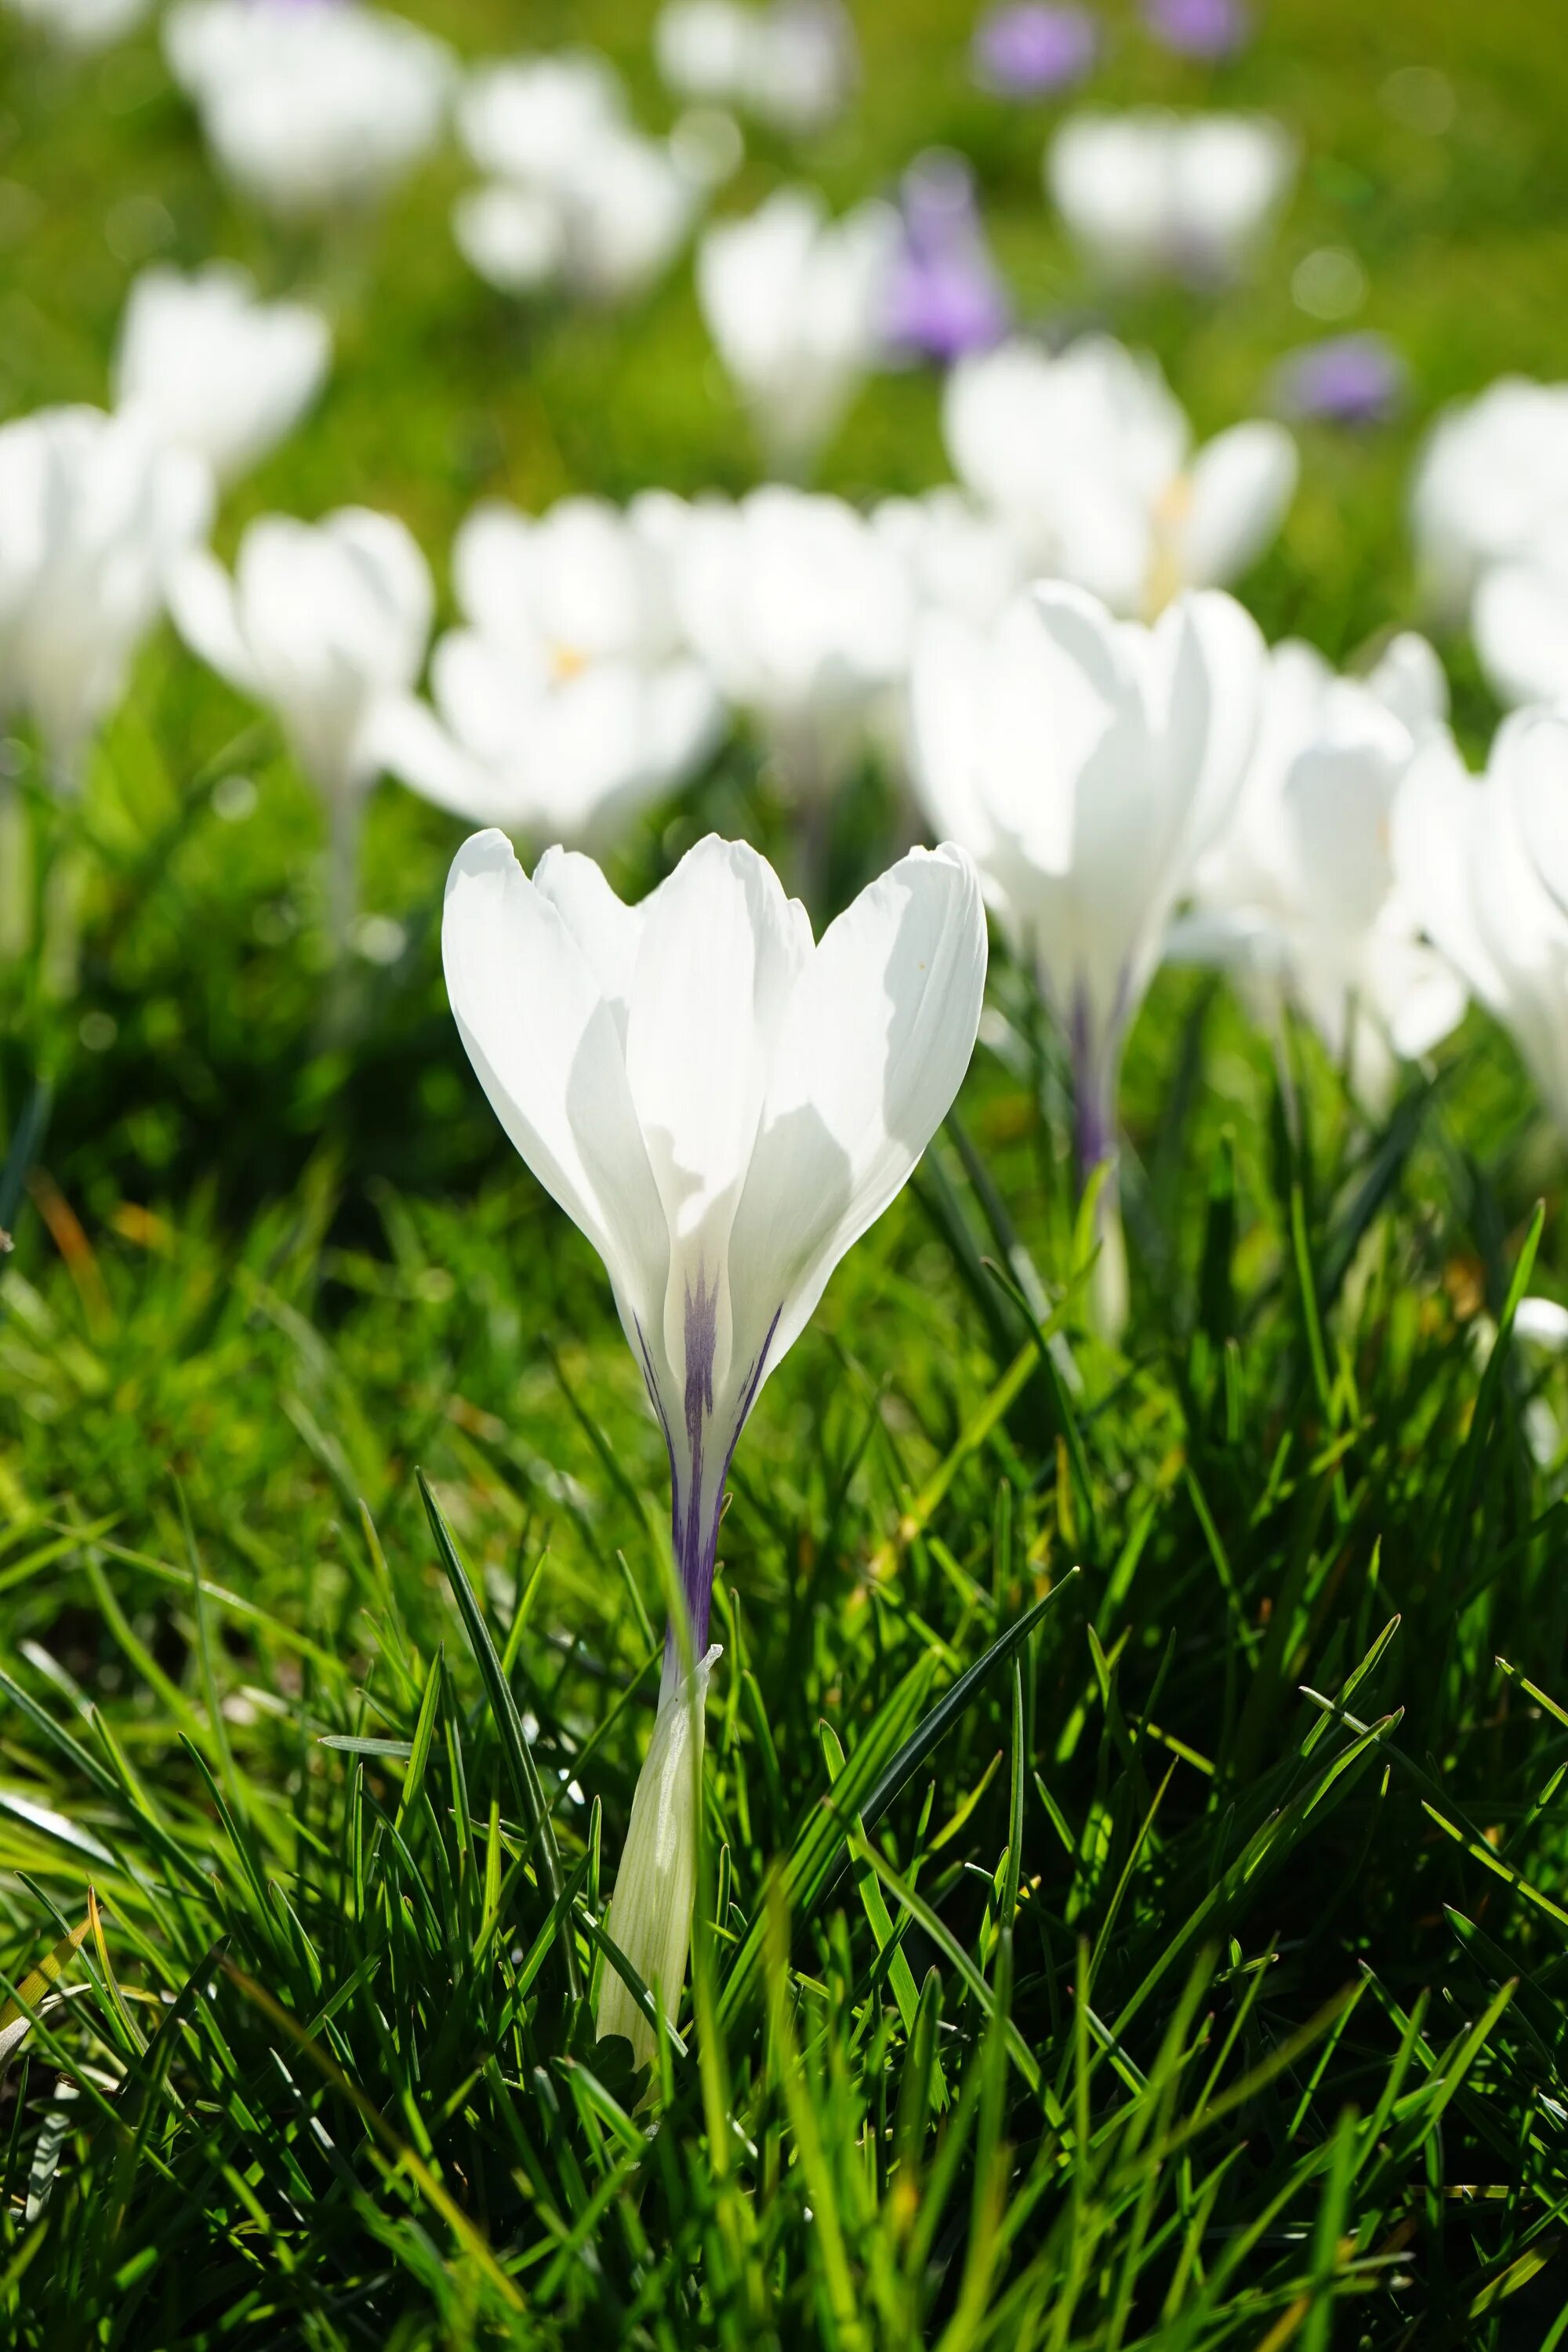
(1356, 380)
(1198, 28)
(945, 296)
(1031, 48)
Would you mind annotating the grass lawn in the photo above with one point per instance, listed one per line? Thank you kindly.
(1180, 1960)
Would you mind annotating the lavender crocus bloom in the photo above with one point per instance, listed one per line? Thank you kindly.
(723, 1103)
(1198, 28)
(1032, 49)
(945, 296)
(1356, 380)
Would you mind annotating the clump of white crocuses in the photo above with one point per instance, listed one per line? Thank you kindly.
(1483, 863)
(800, 608)
(1152, 193)
(1491, 484)
(1087, 456)
(568, 700)
(722, 1107)
(312, 110)
(1298, 895)
(577, 196)
(93, 510)
(790, 64)
(1086, 764)
(208, 367)
(795, 303)
(325, 625)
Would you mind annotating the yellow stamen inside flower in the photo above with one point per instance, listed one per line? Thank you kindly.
(566, 662)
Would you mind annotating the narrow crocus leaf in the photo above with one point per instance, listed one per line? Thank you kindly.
(16, 2016)
(504, 1709)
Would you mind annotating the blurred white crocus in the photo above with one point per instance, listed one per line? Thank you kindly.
(1150, 194)
(722, 1107)
(795, 302)
(1087, 456)
(1481, 862)
(83, 24)
(1086, 764)
(800, 608)
(324, 624)
(1298, 895)
(1519, 621)
(93, 511)
(311, 110)
(566, 699)
(576, 196)
(1490, 487)
(210, 368)
(790, 64)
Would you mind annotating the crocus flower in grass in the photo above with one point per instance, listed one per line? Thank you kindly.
(1351, 380)
(1298, 895)
(800, 608)
(81, 24)
(567, 698)
(1491, 480)
(1086, 764)
(1519, 618)
(326, 625)
(1032, 49)
(944, 296)
(795, 303)
(312, 112)
(93, 511)
(722, 1107)
(790, 64)
(211, 369)
(1483, 862)
(1198, 28)
(1150, 194)
(1087, 456)
(577, 197)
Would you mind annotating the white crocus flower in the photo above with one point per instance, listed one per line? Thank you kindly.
(1298, 894)
(791, 64)
(325, 625)
(311, 109)
(1479, 861)
(82, 25)
(210, 368)
(1150, 194)
(93, 511)
(1087, 458)
(1086, 764)
(567, 698)
(1491, 484)
(801, 609)
(1519, 621)
(795, 303)
(722, 1107)
(576, 194)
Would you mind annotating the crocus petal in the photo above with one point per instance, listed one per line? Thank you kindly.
(1520, 623)
(1241, 484)
(202, 607)
(547, 1049)
(1533, 754)
(875, 1042)
(404, 737)
(719, 949)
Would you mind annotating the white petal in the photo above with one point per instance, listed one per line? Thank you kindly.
(720, 951)
(547, 1050)
(1241, 484)
(1532, 755)
(1520, 621)
(876, 1039)
(202, 608)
